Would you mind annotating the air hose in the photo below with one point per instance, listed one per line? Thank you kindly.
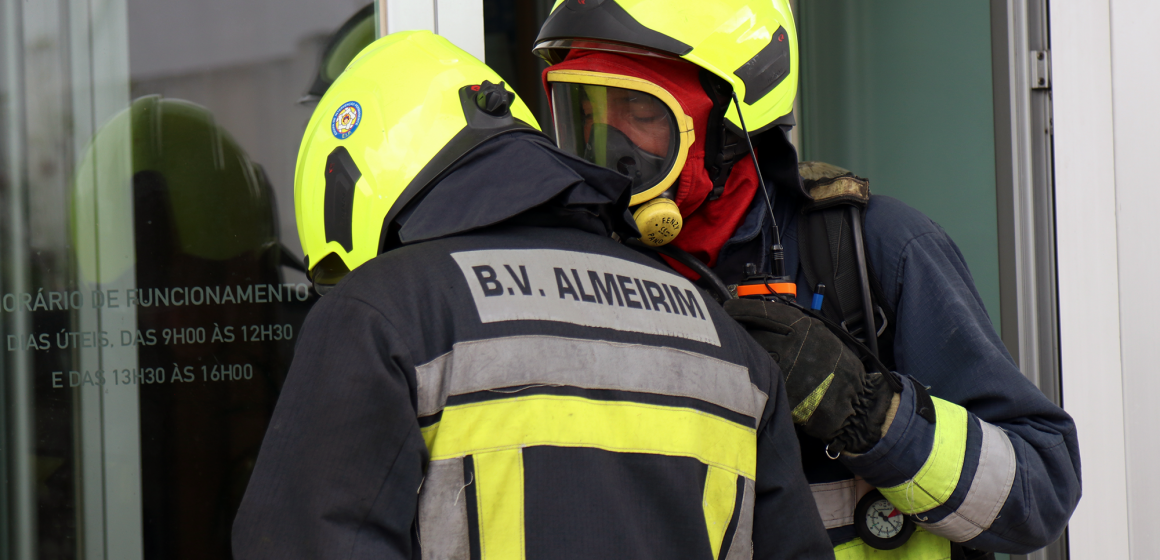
(720, 290)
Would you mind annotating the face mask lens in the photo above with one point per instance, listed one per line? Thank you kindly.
(631, 132)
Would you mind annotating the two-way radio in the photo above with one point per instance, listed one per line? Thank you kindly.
(764, 286)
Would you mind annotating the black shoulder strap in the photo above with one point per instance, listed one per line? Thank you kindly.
(828, 254)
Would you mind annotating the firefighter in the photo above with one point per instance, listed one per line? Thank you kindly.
(958, 454)
(490, 374)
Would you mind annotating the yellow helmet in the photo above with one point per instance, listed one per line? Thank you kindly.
(751, 45)
(406, 109)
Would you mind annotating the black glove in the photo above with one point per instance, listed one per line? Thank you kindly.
(831, 395)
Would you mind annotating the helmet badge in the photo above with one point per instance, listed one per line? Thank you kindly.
(346, 120)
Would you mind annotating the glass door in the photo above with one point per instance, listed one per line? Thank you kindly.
(150, 281)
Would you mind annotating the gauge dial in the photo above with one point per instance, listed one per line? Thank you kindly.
(880, 524)
(883, 519)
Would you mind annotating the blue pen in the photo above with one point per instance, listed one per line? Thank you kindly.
(816, 305)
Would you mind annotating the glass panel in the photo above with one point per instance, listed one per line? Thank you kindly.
(900, 92)
(150, 291)
(510, 27)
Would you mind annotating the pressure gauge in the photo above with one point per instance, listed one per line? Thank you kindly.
(880, 524)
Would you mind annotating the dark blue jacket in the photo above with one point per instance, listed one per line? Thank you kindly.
(1018, 478)
(479, 393)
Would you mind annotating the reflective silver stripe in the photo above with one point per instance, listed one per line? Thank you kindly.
(741, 547)
(836, 500)
(488, 364)
(443, 511)
(989, 489)
(434, 380)
(584, 289)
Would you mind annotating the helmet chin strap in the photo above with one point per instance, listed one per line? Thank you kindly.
(723, 144)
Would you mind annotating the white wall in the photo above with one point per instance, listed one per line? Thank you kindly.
(1135, 87)
(1106, 120)
(460, 21)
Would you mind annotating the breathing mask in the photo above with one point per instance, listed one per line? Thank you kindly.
(632, 126)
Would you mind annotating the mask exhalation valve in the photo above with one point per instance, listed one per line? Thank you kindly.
(659, 221)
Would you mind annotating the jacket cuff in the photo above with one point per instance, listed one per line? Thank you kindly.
(918, 464)
(900, 454)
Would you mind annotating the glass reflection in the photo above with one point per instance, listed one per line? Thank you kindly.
(148, 302)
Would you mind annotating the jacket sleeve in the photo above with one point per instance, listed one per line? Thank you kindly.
(998, 468)
(785, 519)
(342, 460)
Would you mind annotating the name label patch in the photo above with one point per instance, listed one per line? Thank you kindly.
(584, 289)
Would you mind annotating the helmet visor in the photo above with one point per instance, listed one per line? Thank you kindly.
(627, 130)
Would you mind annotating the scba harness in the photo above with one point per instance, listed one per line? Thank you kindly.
(831, 241)
(833, 256)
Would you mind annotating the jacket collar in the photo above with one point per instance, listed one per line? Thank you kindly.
(520, 175)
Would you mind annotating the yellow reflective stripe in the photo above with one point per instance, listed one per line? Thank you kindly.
(499, 479)
(720, 495)
(921, 544)
(805, 409)
(989, 489)
(939, 476)
(578, 422)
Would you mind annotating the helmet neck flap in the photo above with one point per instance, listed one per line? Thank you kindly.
(521, 177)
